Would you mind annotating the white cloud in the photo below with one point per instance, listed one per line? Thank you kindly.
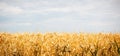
(103, 24)
(92, 8)
(34, 4)
(87, 8)
(15, 24)
(7, 9)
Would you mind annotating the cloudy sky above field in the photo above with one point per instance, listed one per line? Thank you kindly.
(59, 15)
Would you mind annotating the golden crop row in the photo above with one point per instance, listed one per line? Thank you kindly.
(60, 44)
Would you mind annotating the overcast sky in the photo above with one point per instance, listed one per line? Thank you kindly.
(59, 15)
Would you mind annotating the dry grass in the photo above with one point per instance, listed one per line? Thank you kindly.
(60, 44)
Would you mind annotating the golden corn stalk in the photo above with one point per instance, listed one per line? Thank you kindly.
(60, 44)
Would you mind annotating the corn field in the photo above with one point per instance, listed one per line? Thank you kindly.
(59, 44)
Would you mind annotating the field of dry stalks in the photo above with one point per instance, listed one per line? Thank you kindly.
(60, 44)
